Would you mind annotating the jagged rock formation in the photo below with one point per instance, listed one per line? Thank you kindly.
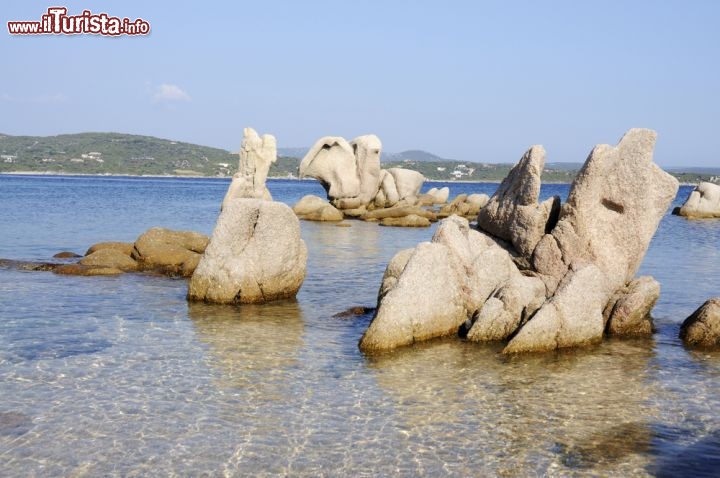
(256, 156)
(540, 276)
(703, 202)
(351, 175)
(702, 328)
(255, 255)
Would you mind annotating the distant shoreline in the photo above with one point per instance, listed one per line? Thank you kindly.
(282, 178)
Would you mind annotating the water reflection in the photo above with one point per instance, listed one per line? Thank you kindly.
(577, 409)
(252, 345)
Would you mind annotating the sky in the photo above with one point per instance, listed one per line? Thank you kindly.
(468, 80)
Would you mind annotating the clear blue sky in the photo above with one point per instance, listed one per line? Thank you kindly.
(469, 80)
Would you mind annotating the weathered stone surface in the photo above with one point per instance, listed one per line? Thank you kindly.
(255, 255)
(256, 156)
(513, 212)
(703, 202)
(613, 209)
(407, 182)
(404, 317)
(110, 258)
(702, 328)
(412, 220)
(628, 311)
(437, 286)
(387, 195)
(507, 308)
(170, 252)
(367, 156)
(332, 162)
(124, 247)
(313, 208)
(393, 270)
(572, 317)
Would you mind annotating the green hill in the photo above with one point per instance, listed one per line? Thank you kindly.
(127, 154)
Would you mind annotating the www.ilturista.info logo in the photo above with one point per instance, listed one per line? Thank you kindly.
(58, 22)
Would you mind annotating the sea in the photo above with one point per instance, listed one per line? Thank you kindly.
(121, 376)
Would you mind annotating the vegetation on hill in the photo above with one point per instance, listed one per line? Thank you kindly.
(112, 153)
(126, 154)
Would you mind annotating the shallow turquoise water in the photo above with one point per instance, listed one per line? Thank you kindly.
(120, 376)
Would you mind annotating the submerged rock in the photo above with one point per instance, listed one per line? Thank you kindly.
(702, 328)
(66, 255)
(703, 202)
(255, 255)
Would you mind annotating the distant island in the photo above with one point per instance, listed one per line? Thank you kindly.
(136, 155)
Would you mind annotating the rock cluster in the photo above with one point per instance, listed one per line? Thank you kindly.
(256, 156)
(351, 175)
(703, 202)
(157, 250)
(255, 255)
(535, 274)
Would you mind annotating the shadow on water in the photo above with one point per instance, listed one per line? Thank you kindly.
(700, 459)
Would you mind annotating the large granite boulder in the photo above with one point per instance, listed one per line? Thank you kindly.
(539, 279)
(702, 328)
(703, 202)
(613, 209)
(255, 255)
(612, 212)
(433, 289)
(332, 162)
(256, 156)
(169, 252)
(407, 182)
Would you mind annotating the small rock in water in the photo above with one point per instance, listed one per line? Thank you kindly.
(354, 312)
(66, 255)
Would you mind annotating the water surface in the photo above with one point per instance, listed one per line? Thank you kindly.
(120, 376)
